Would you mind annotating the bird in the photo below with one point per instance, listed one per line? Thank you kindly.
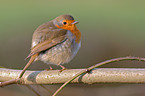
(55, 42)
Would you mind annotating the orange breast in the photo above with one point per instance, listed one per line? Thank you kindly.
(77, 33)
(71, 27)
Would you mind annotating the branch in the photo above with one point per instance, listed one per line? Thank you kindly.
(101, 75)
(93, 75)
(95, 66)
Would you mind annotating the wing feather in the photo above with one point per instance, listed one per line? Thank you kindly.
(46, 36)
(46, 45)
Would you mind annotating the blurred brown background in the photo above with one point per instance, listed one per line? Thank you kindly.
(110, 28)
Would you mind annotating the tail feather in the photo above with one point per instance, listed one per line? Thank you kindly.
(28, 64)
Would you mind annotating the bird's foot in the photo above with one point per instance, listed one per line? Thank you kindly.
(50, 68)
(63, 68)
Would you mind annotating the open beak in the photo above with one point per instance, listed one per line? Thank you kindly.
(75, 22)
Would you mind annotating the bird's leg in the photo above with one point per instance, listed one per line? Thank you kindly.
(50, 68)
(63, 68)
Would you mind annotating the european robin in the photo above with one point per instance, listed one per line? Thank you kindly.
(55, 42)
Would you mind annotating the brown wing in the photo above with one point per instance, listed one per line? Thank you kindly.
(46, 45)
(45, 37)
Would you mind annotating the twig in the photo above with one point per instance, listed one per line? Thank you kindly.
(95, 66)
(2, 84)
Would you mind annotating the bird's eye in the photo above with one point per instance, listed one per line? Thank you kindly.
(64, 23)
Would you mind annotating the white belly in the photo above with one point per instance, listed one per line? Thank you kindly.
(61, 53)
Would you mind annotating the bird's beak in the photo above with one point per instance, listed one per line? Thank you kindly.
(75, 22)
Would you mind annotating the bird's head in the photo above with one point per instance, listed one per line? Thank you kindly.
(65, 22)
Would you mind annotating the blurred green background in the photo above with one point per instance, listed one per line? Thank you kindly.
(110, 28)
